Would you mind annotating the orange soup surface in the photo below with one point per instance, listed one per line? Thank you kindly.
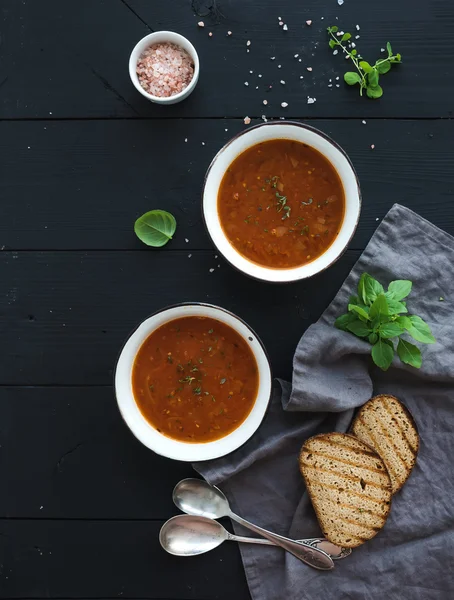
(195, 379)
(281, 204)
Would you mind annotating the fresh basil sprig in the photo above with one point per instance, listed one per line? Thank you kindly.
(379, 317)
(155, 228)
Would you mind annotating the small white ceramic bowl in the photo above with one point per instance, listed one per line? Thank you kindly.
(300, 133)
(145, 432)
(156, 38)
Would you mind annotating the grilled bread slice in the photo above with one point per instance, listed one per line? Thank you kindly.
(386, 424)
(349, 486)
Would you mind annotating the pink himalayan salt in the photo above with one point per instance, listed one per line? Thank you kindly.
(247, 120)
(164, 69)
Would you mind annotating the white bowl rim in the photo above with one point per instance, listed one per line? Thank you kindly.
(203, 455)
(193, 53)
(292, 273)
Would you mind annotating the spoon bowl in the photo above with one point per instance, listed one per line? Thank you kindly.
(187, 535)
(197, 497)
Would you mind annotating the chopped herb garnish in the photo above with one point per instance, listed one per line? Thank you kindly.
(200, 361)
(151, 387)
(180, 367)
(197, 391)
(187, 379)
(265, 230)
(223, 380)
(210, 330)
(308, 203)
(210, 349)
(206, 393)
(194, 370)
(213, 398)
(305, 230)
(169, 359)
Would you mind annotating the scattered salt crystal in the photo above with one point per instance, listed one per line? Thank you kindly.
(337, 78)
(211, 270)
(353, 45)
(272, 58)
(50, 113)
(219, 266)
(356, 37)
(330, 85)
(382, 49)
(225, 129)
(201, 24)
(309, 68)
(251, 72)
(296, 55)
(247, 120)
(229, 33)
(215, 256)
(311, 100)
(330, 80)
(309, 22)
(282, 81)
(189, 255)
(259, 75)
(285, 28)
(377, 219)
(211, 34)
(278, 66)
(186, 240)
(264, 118)
(301, 77)
(185, 139)
(279, 18)
(340, 2)
(246, 83)
(337, 85)
(41, 507)
(363, 121)
(357, 27)
(248, 43)
(28, 147)
(281, 23)
(372, 146)
(256, 87)
(203, 143)
(284, 104)
(265, 102)
(335, 52)
(299, 60)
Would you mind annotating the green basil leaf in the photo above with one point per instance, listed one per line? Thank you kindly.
(346, 37)
(404, 321)
(372, 78)
(388, 47)
(382, 354)
(373, 338)
(333, 29)
(361, 311)
(365, 66)
(155, 228)
(353, 300)
(419, 330)
(390, 330)
(342, 321)
(394, 307)
(374, 92)
(351, 78)
(369, 288)
(399, 289)
(359, 328)
(379, 307)
(383, 67)
(332, 44)
(409, 354)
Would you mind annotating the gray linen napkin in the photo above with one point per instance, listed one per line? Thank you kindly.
(413, 556)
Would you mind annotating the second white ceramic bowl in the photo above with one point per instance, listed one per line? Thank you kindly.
(300, 133)
(146, 433)
(156, 38)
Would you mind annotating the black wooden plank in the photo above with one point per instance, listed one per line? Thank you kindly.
(65, 315)
(79, 457)
(81, 185)
(65, 59)
(102, 559)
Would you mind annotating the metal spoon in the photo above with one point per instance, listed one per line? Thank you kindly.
(187, 535)
(197, 497)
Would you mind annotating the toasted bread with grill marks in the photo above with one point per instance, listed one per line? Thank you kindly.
(349, 486)
(388, 427)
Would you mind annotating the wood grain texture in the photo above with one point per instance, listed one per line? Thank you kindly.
(79, 57)
(86, 182)
(107, 559)
(67, 314)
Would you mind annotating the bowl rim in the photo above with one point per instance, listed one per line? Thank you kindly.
(132, 63)
(206, 444)
(300, 277)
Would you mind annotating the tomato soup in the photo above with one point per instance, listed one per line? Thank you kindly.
(281, 204)
(195, 379)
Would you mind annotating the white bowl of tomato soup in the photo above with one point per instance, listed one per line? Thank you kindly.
(193, 382)
(281, 201)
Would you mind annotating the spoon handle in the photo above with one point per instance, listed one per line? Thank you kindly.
(311, 556)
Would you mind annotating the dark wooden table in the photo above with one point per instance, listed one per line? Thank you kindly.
(82, 154)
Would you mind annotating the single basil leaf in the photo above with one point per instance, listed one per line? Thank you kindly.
(419, 330)
(342, 321)
(333, 29)
(399, 289)
(388, 47)
(373, 338)
(370, 288)
(382, 354)
(383, 67)
(351, 78)
(155, 228)
(332, 44)
(379, 307)
(346, 37)
(354, 52)
(390, 330)
(404, 321)
(394, 307)
(365, 66)
(409, 354)
(374, 92)
(353, 300)
(359, 328)
(372, 78)
(361, 311)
